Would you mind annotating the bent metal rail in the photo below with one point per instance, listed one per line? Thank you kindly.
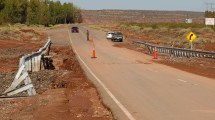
(178, 52)
(32, 63)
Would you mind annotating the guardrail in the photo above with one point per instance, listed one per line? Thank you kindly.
(178, 52)
(28, 63)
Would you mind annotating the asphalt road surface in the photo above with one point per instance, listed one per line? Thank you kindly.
(135, 88)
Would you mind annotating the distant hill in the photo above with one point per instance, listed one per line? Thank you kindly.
(95, 16)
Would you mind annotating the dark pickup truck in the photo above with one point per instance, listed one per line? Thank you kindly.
(117, 36)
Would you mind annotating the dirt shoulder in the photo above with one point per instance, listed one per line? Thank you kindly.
(62, 93)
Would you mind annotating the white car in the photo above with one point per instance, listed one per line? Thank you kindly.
(110, 35)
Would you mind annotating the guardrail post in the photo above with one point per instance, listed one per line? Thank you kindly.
(150, 50)
(177, 53)
(170, 52)
(42, 63)
(185, 54)
(49, 48)
(30, 65)
(38, 60)
(31, 91)
(27, 65)
(33, 64)
(36, 63)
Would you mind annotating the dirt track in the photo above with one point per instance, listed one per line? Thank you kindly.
(63, 93)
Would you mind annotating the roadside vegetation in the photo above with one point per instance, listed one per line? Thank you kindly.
(141, 26)
(22, 32)
(42, 12)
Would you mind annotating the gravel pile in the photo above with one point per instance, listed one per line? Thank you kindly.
(5, 80)
(42, 81)
(190, 61)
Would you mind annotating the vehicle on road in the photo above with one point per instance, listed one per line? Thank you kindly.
(117, 36)
(75, 30)
(110, 35)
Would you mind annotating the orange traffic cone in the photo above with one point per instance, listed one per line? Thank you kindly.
(155, 53)
(94, 53)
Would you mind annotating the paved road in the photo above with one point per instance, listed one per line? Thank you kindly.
(141, 89)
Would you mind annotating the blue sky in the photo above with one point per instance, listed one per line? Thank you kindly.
(183, 5)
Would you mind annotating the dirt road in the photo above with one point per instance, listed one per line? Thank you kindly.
(140, 88)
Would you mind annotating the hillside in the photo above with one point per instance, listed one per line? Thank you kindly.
(95, 16)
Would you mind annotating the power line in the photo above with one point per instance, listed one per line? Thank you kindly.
(209, 6)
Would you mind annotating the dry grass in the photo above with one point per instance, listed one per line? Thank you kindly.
(21, 32)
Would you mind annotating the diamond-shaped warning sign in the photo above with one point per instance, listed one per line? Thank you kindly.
(191, 36)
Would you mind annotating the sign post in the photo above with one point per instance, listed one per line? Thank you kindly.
(191, 37)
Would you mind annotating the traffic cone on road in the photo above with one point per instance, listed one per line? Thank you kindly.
(94, 53)
(155, 53)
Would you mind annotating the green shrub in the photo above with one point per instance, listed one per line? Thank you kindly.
(154, 26)
(123, 26)
(147, 29)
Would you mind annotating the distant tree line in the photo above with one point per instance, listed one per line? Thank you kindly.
(44, 12)
(210, 14)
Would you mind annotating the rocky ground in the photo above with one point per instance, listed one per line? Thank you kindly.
(62, 93)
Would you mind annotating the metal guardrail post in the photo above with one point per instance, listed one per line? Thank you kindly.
(49, 48)
(30, 62)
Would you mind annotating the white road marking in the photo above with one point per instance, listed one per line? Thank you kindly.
(127, 113)
(182, 80)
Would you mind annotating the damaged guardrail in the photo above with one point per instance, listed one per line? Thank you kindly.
(28, 63)
(178, 52)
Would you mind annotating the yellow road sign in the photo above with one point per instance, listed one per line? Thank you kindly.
(191, 36)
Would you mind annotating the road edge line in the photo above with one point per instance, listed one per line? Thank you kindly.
(126, 112)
